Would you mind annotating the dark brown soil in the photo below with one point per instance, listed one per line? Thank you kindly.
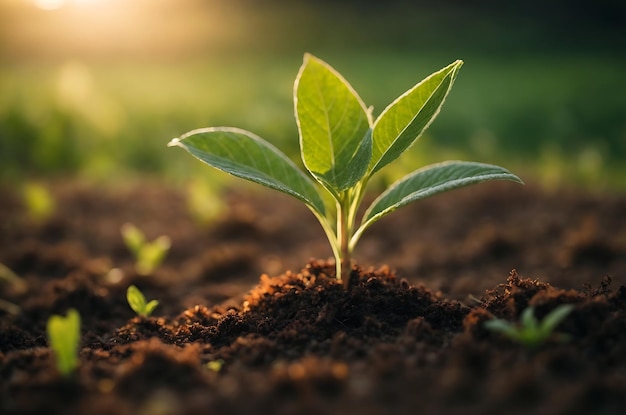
(405, 341)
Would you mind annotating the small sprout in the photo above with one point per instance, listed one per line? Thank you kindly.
(215, 365)
(9, 307)
(11, 278)
(148, 255)
(137, 301)
(39, 202)
(530, 332)
(64, 339)
(204, 202)
(342, 146)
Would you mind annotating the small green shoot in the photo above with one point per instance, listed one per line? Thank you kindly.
(148, 255)
(137, 301)
(11, 278)
(204, 202)
(530, 332)
(38, 201)
(342, 147)
(215, 365)
(64, 339)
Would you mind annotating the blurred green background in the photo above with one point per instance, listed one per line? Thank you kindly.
(97, 88)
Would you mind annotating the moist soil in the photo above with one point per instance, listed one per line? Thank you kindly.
(250, 322)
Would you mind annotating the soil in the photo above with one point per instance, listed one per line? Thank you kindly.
(236, 332)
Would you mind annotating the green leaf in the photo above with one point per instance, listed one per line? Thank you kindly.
(333, 123)
(550, 321)
(152, 254)
(152, 304)
(136, 299)
(405, 119)
(133, 238)
(502, 326)
(528, 320)
(249, 157)
(430, 181)
(64, 338)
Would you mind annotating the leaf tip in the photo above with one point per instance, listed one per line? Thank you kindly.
(174, 142)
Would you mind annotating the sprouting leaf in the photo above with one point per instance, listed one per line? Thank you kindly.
(341, 147)
(430, 181)
(404, 120)
(215, 365)
(133, 237)
(137, 301)
(249, 157)
(334, 125)
(550, 321)
(148, 255)
(530, 332)
(64, 339)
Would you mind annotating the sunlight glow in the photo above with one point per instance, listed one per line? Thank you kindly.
(57, 4)
(50, 4)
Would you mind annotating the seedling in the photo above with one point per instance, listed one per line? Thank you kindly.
(137, 301)
(11, 278)
(148, 255)
(64, 338)
(38, 201)
(342, 147)
(529, 331)
(215, 365)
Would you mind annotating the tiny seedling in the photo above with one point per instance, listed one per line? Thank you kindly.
(12, 279)
(39, 202)
(137, 301)
(215, 365)
(342, 147)
(148, 255)
(64, 339)
(530, 332)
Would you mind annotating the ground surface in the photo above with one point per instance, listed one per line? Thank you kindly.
(404, 339)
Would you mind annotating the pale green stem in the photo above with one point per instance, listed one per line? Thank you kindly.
(332, 238)
(343, 234)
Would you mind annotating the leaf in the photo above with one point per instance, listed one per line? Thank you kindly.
(133, 238)
(152, 254)
(333, 124)
(152, 304)
(502, 326)
(405, 119)
(136, 299)
(429, 181)
(556, 316)
(64, 338)
(245, 155)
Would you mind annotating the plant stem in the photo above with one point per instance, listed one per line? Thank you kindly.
(345, 219)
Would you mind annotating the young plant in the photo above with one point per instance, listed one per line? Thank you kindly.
(148, 255)
(64, 339)
(342, 147)
(38, 201)
(137, 301)
(530, 332)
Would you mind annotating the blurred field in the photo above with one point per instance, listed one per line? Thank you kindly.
(82, 100)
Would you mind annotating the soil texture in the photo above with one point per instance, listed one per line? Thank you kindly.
(250, 322)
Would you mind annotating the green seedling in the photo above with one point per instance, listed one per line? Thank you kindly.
(38, 202)
(342, 147)
(215, 365)
(17, 285)
(12, 279)
(148, 255)
(137, 301)
(204, 202)
(64, 339)
(530, 332)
